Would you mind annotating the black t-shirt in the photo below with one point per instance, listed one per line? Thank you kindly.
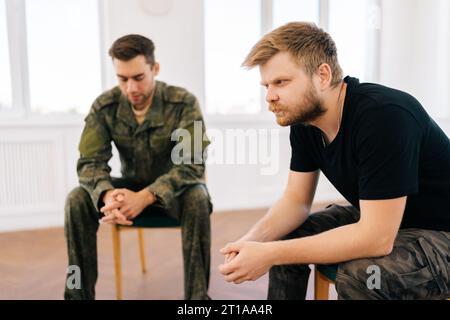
(387, 147)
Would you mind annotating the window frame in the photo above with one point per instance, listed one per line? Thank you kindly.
(18, 58)
(267, 9)
(16, 25)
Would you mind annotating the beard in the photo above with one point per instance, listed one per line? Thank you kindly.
(308, 110)
(142, 100)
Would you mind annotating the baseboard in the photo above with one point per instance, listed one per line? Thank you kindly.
(31, 220)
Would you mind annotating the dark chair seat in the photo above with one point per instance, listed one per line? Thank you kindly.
(155, 220)
(328, 270)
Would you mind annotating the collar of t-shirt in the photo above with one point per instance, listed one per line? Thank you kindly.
(140, 114)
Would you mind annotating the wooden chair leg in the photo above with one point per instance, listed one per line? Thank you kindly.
(117, 260)
(321, 286)
(142, 249)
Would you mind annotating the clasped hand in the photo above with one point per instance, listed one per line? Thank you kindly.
(245, 261)
(123, 205)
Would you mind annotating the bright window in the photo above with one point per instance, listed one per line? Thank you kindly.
(285, 11)
(348, 25)
(230, 33)
(232, 27)
(63, 55)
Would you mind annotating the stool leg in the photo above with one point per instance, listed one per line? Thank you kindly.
(142, 249)
(321, 286)
(117, 260)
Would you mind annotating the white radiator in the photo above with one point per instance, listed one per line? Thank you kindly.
(27, 171)
(33, 177)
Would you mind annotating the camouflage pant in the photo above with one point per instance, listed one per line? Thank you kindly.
(417, 268)
(81, 225)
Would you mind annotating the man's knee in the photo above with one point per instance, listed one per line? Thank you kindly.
(77, 195)
(196, 198)
(358, 279)
(356, 269)
(78, 201)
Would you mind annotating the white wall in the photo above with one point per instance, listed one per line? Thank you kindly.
(178, 38)
(415, 50)
(408, 61)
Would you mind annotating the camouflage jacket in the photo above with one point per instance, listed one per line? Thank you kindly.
(144, 150)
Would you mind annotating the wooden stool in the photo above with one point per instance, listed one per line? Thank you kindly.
(324, 275)
(156, 220)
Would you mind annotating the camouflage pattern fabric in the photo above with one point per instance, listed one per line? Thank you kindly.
(145, 150)
(145, 156)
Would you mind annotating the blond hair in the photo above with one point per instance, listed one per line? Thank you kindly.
(309, 45)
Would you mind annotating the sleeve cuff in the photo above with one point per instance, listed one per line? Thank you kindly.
(100, 188)
(163, 193)
(387, 194)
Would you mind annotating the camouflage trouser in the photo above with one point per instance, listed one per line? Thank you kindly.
(82, 222)
(417, 268)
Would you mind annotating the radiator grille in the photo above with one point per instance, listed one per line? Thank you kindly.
(27, 173)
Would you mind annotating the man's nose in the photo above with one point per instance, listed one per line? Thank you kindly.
(271, 95)
(131, 86)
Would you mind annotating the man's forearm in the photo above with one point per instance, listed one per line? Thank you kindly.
(283, 217)
(340, 244)
(148, 197)
(94, 177)
(166, 186)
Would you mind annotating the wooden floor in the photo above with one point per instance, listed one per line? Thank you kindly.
(33, 263)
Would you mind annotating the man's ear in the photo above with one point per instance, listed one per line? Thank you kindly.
(325, 76)
(155, 69)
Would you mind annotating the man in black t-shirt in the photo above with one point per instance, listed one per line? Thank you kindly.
(381, 151)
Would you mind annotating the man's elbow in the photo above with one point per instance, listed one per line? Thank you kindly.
(375, 242)
(383, 247)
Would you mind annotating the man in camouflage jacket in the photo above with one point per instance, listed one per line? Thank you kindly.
(139, 117)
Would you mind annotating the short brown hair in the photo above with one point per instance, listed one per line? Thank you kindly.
(132, 45)
(308, 44)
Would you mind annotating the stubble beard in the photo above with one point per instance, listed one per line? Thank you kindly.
(307, 111)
